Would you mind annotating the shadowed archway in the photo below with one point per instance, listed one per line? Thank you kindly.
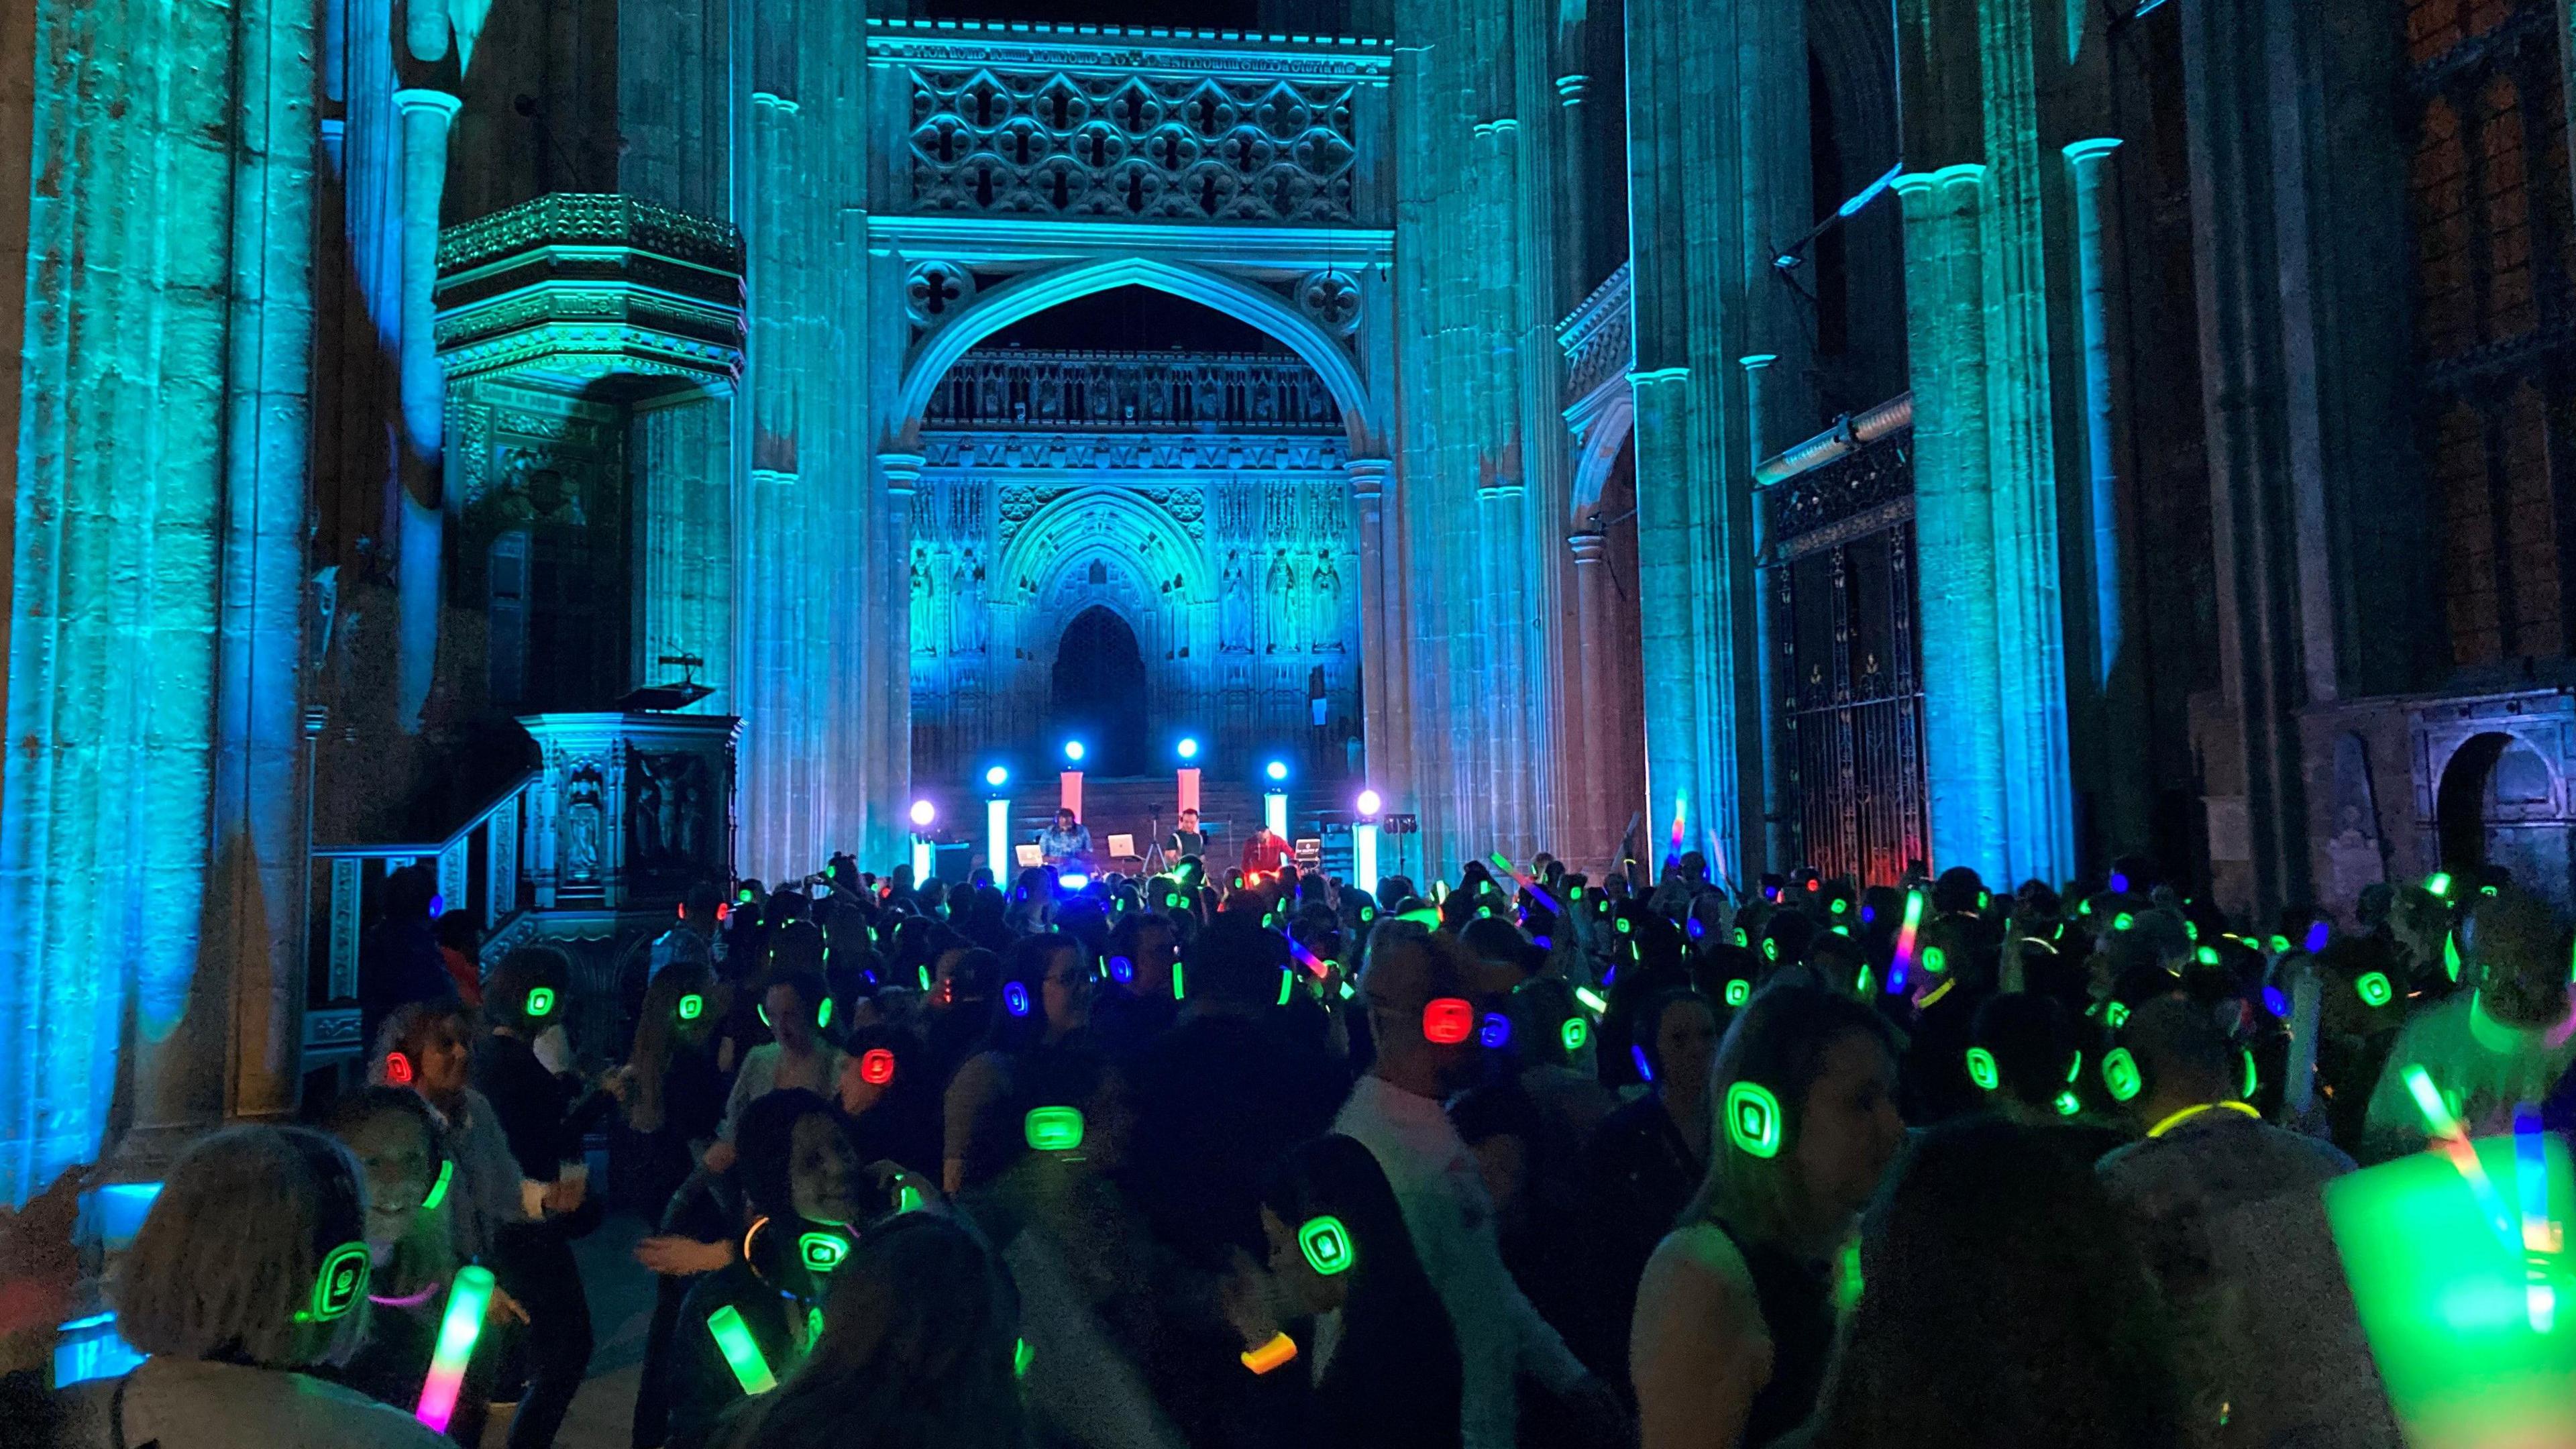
(1099, 693)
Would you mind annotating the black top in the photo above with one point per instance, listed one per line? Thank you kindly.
(1796, 1299)
(702, 1384)
(1642, 1175)
(1218, 1100)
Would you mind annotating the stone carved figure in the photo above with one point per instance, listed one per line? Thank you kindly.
(666, 800)
(1278, 608)
(582, 831)
(966, 605)
(1237, 635)
(924, 624)
(1325, 600)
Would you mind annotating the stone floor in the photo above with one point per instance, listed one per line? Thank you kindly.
(621, 1308)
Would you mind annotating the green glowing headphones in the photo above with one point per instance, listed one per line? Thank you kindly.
(692, 1006)
(1574, 1033)
(1753, 1119)
(541, 1001)
(1326, 1245)
(822, 1013)
(1982, 1069)
(2120, 1075)
(341, 1279)
(2373, 988)
(1738, 992)
(822, 1252)
(1054, 1129)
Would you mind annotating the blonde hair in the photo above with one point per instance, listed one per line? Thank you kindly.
(227, 1258)
(1779, 1042)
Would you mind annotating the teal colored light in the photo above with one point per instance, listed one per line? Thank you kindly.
(1981, 1069)
(541, 1001)
(741, 1354)
(1753, 1119)
(2120, 1074)
(1574, 1033)
(1326, 1245)
(1054, 1129)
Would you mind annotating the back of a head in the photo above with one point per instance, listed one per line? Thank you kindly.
(1959, 889)
(1391, 1297)
(1496, 942)
(1235, 963)
(919, 1336)
(2519, 951)
(227, 1262)
(2032, 1041)
(2176, 1039)
(765, 1146)
(505, 995)
(1992, 1238)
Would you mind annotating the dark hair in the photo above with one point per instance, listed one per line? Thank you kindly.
(505, 996)
(765, 1147)
(1026, 967)
(1237, 962)
(809, 987)
(2032, 1040)
(228, 1254)
(1993, 1237)
(1647, 1026)
(1392, 1321)
(655, 1028)
(410, 1023)
(1780, 1041)
(919, 1338)
(355, 1109)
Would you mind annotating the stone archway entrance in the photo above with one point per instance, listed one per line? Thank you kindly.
(1100, 696)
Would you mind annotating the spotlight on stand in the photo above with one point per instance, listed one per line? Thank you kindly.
(923, 812)
(997, 826)
(1188, 749)
(1274, 805)
(1073, 752)
(1186, 778)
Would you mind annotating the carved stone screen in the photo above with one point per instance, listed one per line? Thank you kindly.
(1132, 146)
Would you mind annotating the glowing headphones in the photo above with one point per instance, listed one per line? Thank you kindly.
(2374, 989)
(1122, 969)
(1935, 960)
(398, 1070)
(1053, 1129)
(2120, 1075)
(1326, 1245)
(1753, 1119)
(822, 1013)
(1015, 998)
(541, 1001)
(692, 1006)
(876, 1066)
(1448, 1021)
(341, 1280)
(1738, 992)
(438, 1189)
(822, 1252)
(1982, 1069)
(1574, 1033)
(1496, 1032)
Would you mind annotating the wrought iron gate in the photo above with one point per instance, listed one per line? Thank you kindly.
(1840, 577)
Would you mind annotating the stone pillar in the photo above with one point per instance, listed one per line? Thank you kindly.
(156, 583)
(2121, 743)
(426, 115)
(1954, 528)
(1597, 695)
(1773, 730)
(901, 476)
(684, 585)
(1377, 620)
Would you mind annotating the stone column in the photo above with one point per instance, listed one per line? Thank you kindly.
(1597, 694)
(1377, 624)
(1954, 526)
(2121, 727)
(901, 473)
(426, 115)
(1763, 435)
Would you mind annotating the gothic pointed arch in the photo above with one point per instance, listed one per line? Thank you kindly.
(1027, 296)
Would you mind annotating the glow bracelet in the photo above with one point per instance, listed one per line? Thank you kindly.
(1278, 1351)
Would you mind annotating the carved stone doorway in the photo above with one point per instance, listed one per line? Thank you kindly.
(1100, 693)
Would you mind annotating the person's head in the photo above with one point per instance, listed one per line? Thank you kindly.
(920, 1334)
(1233, 968)
(1337, 1239)
(1503, 1128)
(2030, 1058)
(424, 1046)
(409, 893)
(1190, 821)
(698, 907)
(395, 1141)
(1047, 982)
(1142, 947)
(2184, 1056)
(1064, 820)
(1415, 987)
(1676, 1035)
(879, 1063)
(254, 1253)
(527, 991)
(794, 1159)
(2518, 952)
(793, 1005)
(682, 1008)
(1804, 1095)
(1991, 1237)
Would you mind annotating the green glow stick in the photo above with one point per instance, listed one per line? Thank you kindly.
(1591, 1000)
(733, 1340)
(2439, 884)
(458, 1329)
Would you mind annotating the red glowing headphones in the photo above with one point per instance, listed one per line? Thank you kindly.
(876, 1067)
(398, 1071)
(1448, 1021)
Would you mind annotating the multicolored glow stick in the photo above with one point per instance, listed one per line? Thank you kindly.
(1681, 808)
(2541, 1237)
(2455, 1144)
(458, 1330)
(1320, 969)
(1527, 882)
(733, 1340)
(1903, 966)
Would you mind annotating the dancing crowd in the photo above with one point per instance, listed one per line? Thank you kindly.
(1253, 1162)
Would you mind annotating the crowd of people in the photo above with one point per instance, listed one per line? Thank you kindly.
(1250, 1162)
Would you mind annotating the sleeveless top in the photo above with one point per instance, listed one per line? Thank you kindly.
(1796, 1299)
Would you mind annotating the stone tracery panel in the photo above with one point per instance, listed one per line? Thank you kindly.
(1132, 146)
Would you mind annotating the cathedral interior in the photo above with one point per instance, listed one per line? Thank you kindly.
(589, 446)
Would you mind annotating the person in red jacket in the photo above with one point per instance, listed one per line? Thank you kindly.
(1265, 853)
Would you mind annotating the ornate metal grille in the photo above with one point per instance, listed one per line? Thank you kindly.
(1123, 392)
(1074, 143)
(1840, 582)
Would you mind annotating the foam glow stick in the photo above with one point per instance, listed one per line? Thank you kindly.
(733, 1340)
(1591, 999)
(2541, 1238)
(2456, 1146)
(1306, 958)
(1681, 805)
(1529, 883)
(1903, 966)
(458, 1329)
